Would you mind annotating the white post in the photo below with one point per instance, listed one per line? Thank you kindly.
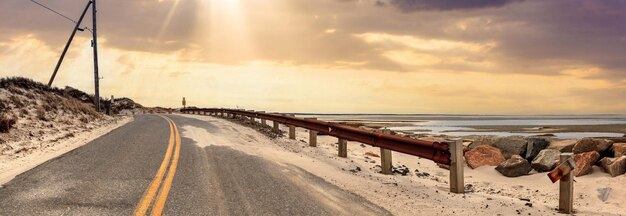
(343, 148)
(566, 188)
(457, 184)
(292, 129)
(312, 136)
(385, 158)
(263, 122)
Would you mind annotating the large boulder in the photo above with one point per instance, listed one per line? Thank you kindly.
(563, 145)
(483, 155)
(482, 140)
(534, 146)
(584, 162)
(619, 149)
(546, 160)
(511, 146)
(514, 167)
(591, 144)
(614, 166)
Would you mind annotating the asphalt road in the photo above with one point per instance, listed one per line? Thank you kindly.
(113, 174)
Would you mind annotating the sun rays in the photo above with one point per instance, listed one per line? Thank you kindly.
(223, 29)
(168, 18)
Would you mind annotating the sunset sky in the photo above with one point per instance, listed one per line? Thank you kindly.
(335, 56)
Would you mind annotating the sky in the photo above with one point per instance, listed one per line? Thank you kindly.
(334, 56)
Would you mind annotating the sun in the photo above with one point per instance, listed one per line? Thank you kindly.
(223, 28)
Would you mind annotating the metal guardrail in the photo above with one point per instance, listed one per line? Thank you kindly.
(436, 151)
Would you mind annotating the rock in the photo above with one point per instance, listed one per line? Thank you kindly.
(534, 146)
(563, 145)
(584, 162)
(604, 193)
(469, 188)
(511, 146)
(482, 140)
(529, 205)
(591, 144)
(483, 155)
(619, 149)
(422, 174)
(372, 154)
(546, 160)
(402, 170)
(614, 166)
(355, 170)
(514, 167)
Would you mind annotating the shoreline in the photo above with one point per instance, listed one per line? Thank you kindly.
(424, 188)
(608, 128)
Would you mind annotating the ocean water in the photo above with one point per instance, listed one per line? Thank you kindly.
(451, 124)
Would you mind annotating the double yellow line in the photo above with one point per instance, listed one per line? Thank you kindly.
(159, 182)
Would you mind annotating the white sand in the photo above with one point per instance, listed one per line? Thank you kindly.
(411, 195)
(55, 145)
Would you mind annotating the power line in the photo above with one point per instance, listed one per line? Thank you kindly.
(60, 14)
(50, 9)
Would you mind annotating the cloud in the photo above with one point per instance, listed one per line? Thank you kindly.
(575, 38)
(408, 6)
(133, 25)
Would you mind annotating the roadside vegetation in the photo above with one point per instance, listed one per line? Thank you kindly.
(32, 113)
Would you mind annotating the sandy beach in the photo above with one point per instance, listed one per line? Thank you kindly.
(424, 190)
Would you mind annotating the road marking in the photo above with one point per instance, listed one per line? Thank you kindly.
(148, 196)
(159, 204)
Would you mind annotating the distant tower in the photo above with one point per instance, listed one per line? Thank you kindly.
(184, 103)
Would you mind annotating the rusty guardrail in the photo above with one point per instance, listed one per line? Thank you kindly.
(436, 151)
(448, 153)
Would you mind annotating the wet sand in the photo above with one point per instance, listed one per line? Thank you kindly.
(613, 128)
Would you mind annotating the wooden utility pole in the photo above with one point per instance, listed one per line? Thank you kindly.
(69, 41)
(95, 57)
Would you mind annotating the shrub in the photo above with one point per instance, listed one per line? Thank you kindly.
(14, 90)
(4, 106)
(41, 114)
(6, 123)
(84, 119)
(26, 83)
(16, 101)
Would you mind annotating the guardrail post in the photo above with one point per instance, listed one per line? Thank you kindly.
(312, 136)
(292, 129)
(566, 188)
(343, 148)
(457, 183)
(251, 117)
(385, 158)
(276, 127)
(263, 122)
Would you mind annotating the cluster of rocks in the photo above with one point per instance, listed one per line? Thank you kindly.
(517, 156)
